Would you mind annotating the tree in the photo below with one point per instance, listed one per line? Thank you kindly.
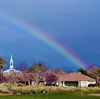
(93, 69)
(58, 70)
(98, 80)
(85, 72)
(2, 64)
(98, 71)
(38, 68)
(51, 78)
(23, 67)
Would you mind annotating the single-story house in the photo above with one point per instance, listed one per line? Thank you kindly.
(75, 79)
(25, 78)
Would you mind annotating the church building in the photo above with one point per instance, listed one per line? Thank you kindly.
(11, 70)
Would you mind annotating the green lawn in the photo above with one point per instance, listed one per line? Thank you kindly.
(55, 95)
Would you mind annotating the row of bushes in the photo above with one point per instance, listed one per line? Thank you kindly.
(6, 88)
(41, 89)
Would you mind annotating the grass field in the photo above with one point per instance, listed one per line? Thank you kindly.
(53, 95)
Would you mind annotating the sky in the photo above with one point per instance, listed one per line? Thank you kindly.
(60, 33)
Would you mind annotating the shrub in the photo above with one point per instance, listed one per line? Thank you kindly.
(20, 84)
(92, 85)
(39, 89)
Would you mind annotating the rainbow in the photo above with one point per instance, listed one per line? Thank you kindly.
(31, 31)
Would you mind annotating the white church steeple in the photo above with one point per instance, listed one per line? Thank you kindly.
(11, 70)
(11, 63)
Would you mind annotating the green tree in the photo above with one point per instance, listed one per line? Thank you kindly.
(2, 64)
(38, 68)
(85, 72)
(98, 71)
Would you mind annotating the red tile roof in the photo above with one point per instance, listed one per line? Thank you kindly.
(75, 77)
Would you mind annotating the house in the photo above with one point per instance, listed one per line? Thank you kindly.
(25, 78)
(12, 75)
(75, 79)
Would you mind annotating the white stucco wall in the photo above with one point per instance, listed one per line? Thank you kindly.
(91, 82)
(86, 83)
(80, 83)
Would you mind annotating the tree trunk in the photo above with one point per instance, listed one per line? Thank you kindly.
(1, 74)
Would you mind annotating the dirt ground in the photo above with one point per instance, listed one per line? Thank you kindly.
(94, 94)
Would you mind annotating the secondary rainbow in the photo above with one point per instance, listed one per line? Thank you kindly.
(31, 31)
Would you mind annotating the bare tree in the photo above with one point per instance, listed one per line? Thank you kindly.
(23, 67)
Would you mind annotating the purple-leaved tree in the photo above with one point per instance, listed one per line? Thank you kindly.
(51, 78)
